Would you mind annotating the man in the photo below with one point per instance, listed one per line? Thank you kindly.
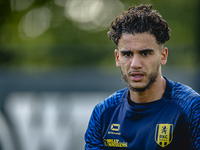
(153, 113)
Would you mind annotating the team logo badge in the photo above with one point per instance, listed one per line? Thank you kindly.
(164, 134)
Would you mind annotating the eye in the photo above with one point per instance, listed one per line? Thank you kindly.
(127, 54)
(146, 53)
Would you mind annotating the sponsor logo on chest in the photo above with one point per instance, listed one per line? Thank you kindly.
(114, 129)
(163, 135)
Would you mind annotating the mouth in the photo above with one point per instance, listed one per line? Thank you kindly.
(137, 76)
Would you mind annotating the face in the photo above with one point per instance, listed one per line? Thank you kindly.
(139, 57)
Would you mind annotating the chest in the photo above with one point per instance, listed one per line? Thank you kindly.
(148, 129)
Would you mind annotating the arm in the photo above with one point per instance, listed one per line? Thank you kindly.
(93, 136)
(195, 126)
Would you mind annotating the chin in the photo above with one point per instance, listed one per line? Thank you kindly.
(138, 89)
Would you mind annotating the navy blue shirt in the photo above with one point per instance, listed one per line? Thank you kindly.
(173, 122)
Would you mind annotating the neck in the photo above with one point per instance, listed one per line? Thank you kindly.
(155, 92)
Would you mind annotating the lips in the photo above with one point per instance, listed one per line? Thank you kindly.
(137, 76)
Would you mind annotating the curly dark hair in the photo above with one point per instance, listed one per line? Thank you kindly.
(139, 19)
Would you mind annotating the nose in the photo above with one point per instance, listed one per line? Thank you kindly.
(136, 62)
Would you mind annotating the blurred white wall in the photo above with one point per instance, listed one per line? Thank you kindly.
(52, 121)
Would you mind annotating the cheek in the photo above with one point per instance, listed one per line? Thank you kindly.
(153, 66)
(124, 67)
(156, 66)
(125, 63)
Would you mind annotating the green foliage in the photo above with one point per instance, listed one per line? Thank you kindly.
(65, 44)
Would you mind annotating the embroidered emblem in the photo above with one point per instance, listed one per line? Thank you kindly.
(164, 134)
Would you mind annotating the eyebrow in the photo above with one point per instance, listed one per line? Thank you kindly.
(148, 49)
(125, 51)
(143, 50)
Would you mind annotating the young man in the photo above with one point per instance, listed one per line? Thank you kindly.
(153, 113)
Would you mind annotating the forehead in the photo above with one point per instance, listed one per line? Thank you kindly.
(137, 41)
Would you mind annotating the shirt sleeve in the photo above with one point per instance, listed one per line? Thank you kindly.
(195, 125)
(93, 135)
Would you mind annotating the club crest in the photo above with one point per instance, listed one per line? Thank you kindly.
(164, 134)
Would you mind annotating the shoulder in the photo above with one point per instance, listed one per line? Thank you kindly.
(188, 100)
(93, 135)
(185, 96)
(112, 100)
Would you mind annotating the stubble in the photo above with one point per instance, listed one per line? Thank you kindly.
(152, 79)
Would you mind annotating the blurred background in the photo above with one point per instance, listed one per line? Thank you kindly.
(57, 63)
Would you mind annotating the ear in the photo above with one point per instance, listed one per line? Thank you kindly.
(164, 54)
(117, 58)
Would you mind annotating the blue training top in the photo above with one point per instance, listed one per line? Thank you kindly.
(172, 123)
